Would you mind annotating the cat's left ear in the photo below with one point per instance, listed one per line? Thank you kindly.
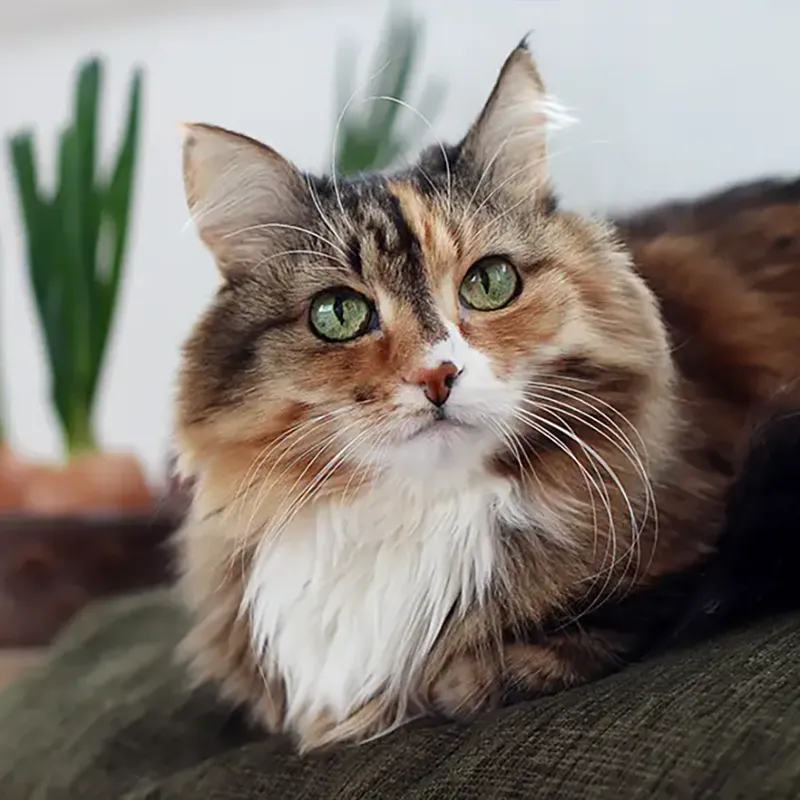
(240, 192)
(508, 141)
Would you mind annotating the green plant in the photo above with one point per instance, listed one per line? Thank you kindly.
(368, 135)
(76, 241)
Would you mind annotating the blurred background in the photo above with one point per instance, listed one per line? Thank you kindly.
(672, 98)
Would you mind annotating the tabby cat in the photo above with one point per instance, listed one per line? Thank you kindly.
(443, 430)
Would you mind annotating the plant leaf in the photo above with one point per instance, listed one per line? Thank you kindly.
(117, 200)
(87, 199)
(45, 247)
(72, 268)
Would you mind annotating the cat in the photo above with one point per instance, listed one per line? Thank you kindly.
(440, 427)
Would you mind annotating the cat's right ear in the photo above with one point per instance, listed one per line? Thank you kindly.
(240, 192)
(509, 139)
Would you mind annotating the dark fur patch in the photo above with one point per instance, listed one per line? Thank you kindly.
(363, 394)
(754, 573)
(354, 255)
(407, 275)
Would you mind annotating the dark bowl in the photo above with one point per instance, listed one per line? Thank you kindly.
(51, 567)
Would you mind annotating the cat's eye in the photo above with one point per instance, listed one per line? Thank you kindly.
(338, 315)
(491, 284)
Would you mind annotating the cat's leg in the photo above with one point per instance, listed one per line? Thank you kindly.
(474, 682)
(561, 660)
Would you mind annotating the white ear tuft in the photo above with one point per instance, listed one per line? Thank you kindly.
(236, 187)
(509, 138)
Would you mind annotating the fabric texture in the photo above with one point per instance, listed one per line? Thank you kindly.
(108, 716)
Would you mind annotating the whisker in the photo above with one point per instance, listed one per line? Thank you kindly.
(590, 452)
(325, 219)
(506, 211)
(335, 142)
(606, 590)
(629, 452)
(533, 421)
(313, 425)
(285, 441)
(608, 432)
(287, 226)
(312, 490)
(438, 140)
(642, 459)
(510, 438)
(340, 265)
(592, 402)
(319, 448)
(380, 437)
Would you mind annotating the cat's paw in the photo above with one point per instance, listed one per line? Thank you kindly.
(465, 687)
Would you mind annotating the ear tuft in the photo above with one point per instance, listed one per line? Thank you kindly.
(235, 188)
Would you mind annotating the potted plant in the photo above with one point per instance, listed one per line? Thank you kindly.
(91, 524)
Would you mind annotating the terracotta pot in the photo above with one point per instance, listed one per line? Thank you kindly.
(52, 566)
(14, 473)
(103, 481)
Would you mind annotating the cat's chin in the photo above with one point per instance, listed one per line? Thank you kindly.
(443, 443)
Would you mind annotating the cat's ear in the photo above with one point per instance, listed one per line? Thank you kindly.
(509, 139)
(240, 193)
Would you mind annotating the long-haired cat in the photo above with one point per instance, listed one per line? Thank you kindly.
(438, 425)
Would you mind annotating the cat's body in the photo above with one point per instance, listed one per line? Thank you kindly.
(439, 425)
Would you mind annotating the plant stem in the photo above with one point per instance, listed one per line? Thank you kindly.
(79, 433)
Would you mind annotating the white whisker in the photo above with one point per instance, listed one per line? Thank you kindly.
(335, 142)
(325, 219)
(339, 264)
(565, 430)
(287, 226)
(438, 141)
(626, 448)
(533, 422)
(642, 459)
(513, 175)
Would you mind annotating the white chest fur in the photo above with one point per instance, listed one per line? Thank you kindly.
(348, 601)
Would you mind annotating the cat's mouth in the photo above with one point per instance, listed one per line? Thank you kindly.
(440, 424)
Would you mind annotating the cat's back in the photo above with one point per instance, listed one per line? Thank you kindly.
(726, 269)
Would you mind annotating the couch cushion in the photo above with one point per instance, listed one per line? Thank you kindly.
(108, 716)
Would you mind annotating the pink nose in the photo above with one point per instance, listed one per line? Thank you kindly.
(436, 382)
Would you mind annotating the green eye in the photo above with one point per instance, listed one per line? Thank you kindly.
(337, 315)
(490, 284)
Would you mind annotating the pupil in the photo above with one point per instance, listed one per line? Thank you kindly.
(338, 308)
(485, 281)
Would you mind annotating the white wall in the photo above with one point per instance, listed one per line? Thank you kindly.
(674, 97)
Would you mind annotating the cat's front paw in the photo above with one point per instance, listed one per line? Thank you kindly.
(465, 687)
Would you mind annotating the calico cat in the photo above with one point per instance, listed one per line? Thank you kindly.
(441, 428)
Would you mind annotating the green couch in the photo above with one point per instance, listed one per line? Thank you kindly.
(108, 717)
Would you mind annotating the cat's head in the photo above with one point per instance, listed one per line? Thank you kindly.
(419, 321)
